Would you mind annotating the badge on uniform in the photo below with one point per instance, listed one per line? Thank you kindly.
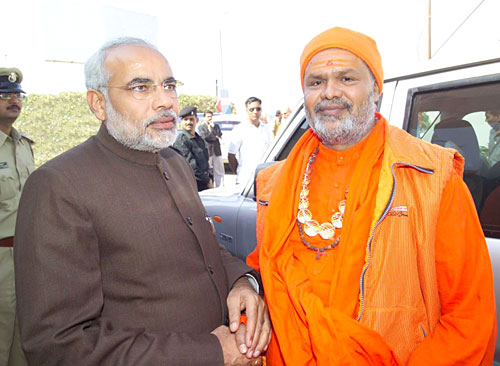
(4, 165)
(12, 77)
(398, 211)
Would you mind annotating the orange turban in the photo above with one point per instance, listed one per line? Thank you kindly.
(357, 43)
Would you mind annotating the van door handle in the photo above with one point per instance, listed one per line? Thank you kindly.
(226, 237)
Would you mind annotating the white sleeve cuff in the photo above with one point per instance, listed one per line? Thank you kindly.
(253, 281)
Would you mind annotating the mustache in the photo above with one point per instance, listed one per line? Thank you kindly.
(163, 114)
(333, 102)
(14, 106)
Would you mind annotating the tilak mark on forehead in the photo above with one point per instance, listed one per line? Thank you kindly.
(327, 63)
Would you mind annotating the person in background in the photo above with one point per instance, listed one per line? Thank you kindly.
(212, 135)
(16, 163)
(369, 244)
(193, 148)
(116, 259)
(493, 118)
(278, 118)
(249, 140)
(286, 113)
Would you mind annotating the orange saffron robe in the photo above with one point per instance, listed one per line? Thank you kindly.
(314, 302)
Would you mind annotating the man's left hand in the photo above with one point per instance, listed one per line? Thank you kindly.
(253, 338)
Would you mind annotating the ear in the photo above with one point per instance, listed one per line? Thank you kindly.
(97, 104)
(376, 93)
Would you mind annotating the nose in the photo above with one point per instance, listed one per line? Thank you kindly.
(14, 97)
(332, 90)
(164, 99)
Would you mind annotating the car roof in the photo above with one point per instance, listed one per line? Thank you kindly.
(227, 118)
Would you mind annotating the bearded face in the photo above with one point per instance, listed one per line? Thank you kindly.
(138, 135)
(340, 96)
(344, 129)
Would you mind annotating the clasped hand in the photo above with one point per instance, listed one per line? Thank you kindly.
(242, 343)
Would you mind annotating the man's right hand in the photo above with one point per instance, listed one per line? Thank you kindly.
(233, 162)
(232, 355)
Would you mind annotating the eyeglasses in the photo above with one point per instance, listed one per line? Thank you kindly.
(258, 109)
(143, 91)
(7, 96)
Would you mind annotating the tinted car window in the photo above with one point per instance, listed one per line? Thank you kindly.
(297, 134)
(455, 116)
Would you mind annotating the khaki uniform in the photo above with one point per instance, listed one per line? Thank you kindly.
(16, 163)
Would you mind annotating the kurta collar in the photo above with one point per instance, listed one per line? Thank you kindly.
(136, 156)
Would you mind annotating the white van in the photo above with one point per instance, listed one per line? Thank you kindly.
(445, 106)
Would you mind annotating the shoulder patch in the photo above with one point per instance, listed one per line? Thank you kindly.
(30, 140)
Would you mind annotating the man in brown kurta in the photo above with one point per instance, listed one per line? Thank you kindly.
(116, 261)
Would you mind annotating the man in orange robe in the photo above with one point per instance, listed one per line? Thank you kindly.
(370, 248)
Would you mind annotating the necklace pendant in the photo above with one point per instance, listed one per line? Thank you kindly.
(337, 220)
(319, 255)
(303, 204)
(342, 206)
(327, 231)
(312, 228)
(304, 216)
(304, 193)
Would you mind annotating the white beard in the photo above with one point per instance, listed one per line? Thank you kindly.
(135, 135)
(344, 131)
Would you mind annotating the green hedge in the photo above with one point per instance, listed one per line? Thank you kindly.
(58, 122)
(202, 102)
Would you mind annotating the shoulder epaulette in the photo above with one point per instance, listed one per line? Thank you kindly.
(30, 140)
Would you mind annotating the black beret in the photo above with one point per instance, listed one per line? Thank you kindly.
(10, 79)
(188, 111)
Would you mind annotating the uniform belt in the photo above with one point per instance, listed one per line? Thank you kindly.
(7, 242)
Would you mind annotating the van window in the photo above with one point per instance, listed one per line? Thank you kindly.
(466, 118)
(425, 124)
(297, 134)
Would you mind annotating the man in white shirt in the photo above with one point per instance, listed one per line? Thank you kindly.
(249, 141)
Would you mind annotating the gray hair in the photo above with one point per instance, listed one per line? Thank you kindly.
(96, 75)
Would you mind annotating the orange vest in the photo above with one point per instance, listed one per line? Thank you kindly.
(402, 309)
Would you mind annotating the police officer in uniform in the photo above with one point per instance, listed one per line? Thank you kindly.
(193, 148)
(16, 163)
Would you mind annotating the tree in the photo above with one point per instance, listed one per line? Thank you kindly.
(201, 102)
